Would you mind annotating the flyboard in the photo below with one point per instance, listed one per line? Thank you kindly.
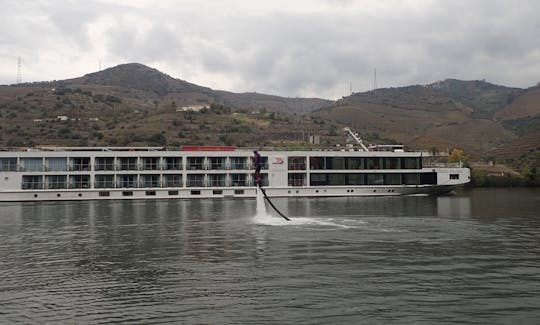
(272, 204)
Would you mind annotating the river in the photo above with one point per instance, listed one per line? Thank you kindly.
(469, 258)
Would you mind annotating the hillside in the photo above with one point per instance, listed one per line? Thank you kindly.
(139, 81)
(133, 104)
(486, 120)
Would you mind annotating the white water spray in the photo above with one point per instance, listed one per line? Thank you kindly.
(262, 216)
(261, 207)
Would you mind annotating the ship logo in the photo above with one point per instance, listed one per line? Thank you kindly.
(277, 161)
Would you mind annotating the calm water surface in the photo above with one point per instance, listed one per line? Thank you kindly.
(469, 258)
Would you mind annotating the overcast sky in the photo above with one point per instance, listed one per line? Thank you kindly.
(299, 48)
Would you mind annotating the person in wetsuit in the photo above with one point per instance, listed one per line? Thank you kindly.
(258, 164)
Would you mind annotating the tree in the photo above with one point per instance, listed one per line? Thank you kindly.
(457, 155)
(158, 139)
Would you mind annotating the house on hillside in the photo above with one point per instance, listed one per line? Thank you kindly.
(193, 108)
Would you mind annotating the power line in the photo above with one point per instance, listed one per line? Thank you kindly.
(374, 78)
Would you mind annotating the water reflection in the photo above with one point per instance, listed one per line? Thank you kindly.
(419, 259)
(453, 206)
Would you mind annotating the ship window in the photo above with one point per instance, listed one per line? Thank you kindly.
(238, 162)
(316, 163)
(428, 178)
(335, 163)
(297, 163)
(32, 164)
(196, 192)
(297, 179)
(8, 164)
(174, 180)
(173, 192)
(173, 163)
(238, 179)
(392, 163)
(150, 180)
(150, 163)
(150, 193)
(336, 179)
(355, 163)
(217, 192)
(216, 180)
(264, 162)
(104, 181)
(80, 163)
(56, 181)
(374, 163)
(454, 176)
(411, 179)
(104, 193)
(216, 163)
(318, 179)
(56, 164)
(104, 163)
(411, 163)
(239, 192)
(128, 163)
(79, 181)
(127, 193)
(127, 180)
(195, 180)
(355, 179)
(195, 163)
(375, 179)
(392, 179)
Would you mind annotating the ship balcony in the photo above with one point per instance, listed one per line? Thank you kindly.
(216, 183)
(104, 167)
(104, 184)
(195, 166)
(79, 167)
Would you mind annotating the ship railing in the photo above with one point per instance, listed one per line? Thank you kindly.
(217, 183)
(173, 184)
(194, 183)
(442, 165)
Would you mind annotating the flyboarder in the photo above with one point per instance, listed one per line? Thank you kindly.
(257, 163)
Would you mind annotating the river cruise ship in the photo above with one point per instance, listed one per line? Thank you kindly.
(82, 173)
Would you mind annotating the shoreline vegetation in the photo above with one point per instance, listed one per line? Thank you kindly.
(520, 172)
(486, 178)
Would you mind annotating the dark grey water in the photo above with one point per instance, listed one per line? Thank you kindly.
(469, 258)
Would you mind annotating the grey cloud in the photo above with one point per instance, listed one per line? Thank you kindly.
(311, 52)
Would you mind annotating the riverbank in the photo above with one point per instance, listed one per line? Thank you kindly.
(502, 176)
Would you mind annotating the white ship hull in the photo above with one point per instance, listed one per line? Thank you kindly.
(152, 173)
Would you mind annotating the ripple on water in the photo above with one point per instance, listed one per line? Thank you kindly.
(337, 261)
